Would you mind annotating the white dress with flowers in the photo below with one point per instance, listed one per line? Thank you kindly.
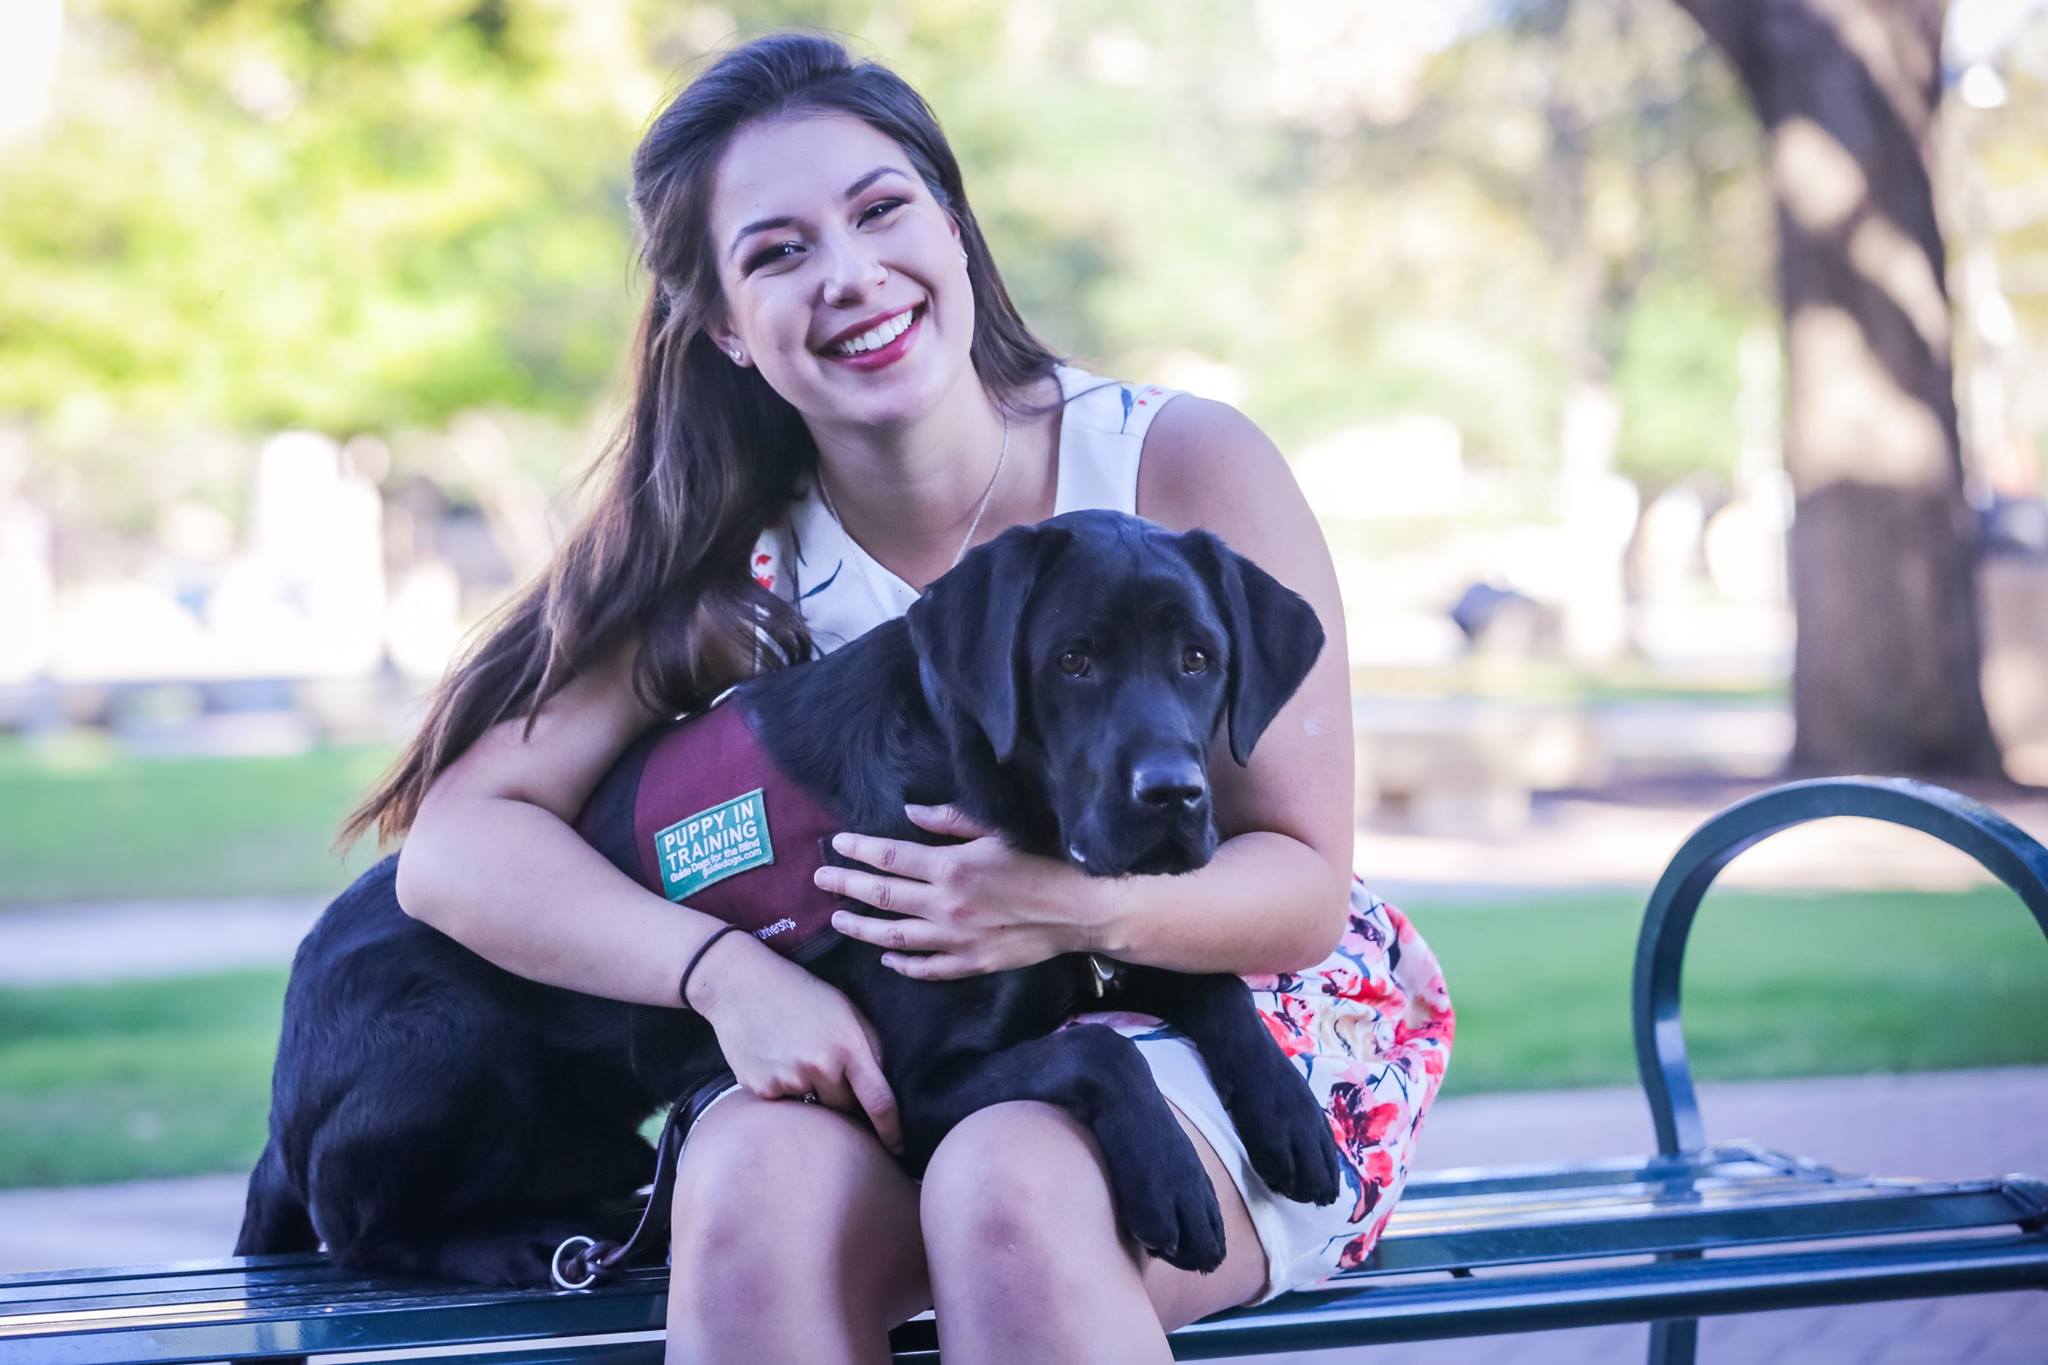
(1370, 1027)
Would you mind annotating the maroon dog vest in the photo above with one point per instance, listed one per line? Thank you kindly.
(720, 828)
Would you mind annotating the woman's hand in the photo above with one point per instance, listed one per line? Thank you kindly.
(970, 908)
(787, 1034)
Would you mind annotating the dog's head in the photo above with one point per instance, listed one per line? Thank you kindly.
(1096, 655)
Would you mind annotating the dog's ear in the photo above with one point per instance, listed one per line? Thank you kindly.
(1274, 638)
(966, 627)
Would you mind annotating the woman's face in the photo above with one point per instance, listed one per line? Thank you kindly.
(825, 235)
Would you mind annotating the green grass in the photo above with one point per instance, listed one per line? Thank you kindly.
(145, 1078)
(165, 1078)
(1775, 985)
(87, 823)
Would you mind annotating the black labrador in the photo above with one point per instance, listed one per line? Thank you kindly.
(435, 1115)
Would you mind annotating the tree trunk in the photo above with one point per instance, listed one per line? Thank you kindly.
(1886, 671)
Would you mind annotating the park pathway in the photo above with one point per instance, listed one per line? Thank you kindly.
(52, 945)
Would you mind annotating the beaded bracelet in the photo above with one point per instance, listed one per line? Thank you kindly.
(683, 983)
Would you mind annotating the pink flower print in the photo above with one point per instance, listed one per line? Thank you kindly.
(1362, 988)
(1369, 1192)
(1362, 930)
(1402, 928)
(1292, 1025)
(1358, 1248)
(1432, 1027)
(1359, 1126)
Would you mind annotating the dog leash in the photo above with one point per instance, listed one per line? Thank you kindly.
(579, 1262)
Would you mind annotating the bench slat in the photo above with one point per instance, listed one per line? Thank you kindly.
(159, 1270)
(194, 1285)
(1491, 1305)
(1482, 1230)
(397, 1316)
(1734, 1195)
(270, 1305)
(389, 1322)
(1709, 1225)
(1737, 1159)
(1487, 1304)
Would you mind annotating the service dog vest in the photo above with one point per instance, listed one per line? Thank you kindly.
(718, 826)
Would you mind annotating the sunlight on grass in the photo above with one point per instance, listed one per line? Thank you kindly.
(1775, 985)
(87, 823)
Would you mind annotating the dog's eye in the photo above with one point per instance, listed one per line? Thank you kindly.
(1194, 659)
(1074, 664)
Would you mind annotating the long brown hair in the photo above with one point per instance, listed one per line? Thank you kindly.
(707, 454)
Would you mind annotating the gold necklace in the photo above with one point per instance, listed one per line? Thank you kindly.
(981, 507)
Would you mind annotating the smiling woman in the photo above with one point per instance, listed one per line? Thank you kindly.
(834, 400)
(885, 247)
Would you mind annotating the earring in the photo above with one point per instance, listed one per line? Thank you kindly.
(963, 255)
(735, 354)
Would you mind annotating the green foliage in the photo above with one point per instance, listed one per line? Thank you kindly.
(1678, 380)
(369, 216)
(341, 216)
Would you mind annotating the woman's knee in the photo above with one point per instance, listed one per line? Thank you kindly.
(771, 1195)
(754, 1170)
(1013, 1179)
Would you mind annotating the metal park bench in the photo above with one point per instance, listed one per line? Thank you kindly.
(1694, 1230)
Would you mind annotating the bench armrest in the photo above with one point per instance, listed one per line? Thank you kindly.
(2003, 848)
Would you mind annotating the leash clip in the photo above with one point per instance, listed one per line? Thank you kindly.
(577, 1256)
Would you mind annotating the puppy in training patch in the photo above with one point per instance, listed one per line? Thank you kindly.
(433, 1114)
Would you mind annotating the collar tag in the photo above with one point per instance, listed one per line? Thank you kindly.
(714, 844)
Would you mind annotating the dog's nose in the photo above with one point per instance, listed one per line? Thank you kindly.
(1169, 785)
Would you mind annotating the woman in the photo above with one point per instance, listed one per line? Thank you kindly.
(834, 400)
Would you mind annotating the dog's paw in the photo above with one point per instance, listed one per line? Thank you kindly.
(1288, 1138)
(1169, 1206)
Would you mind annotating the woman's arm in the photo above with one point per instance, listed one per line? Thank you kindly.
(492, 862)
(1274, 896)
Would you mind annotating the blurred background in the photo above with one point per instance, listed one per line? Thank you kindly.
(1579, 320)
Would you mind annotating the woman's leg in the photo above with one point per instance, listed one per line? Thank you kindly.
(1179, 1296)
(1028, 1262)
(795, 1237)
